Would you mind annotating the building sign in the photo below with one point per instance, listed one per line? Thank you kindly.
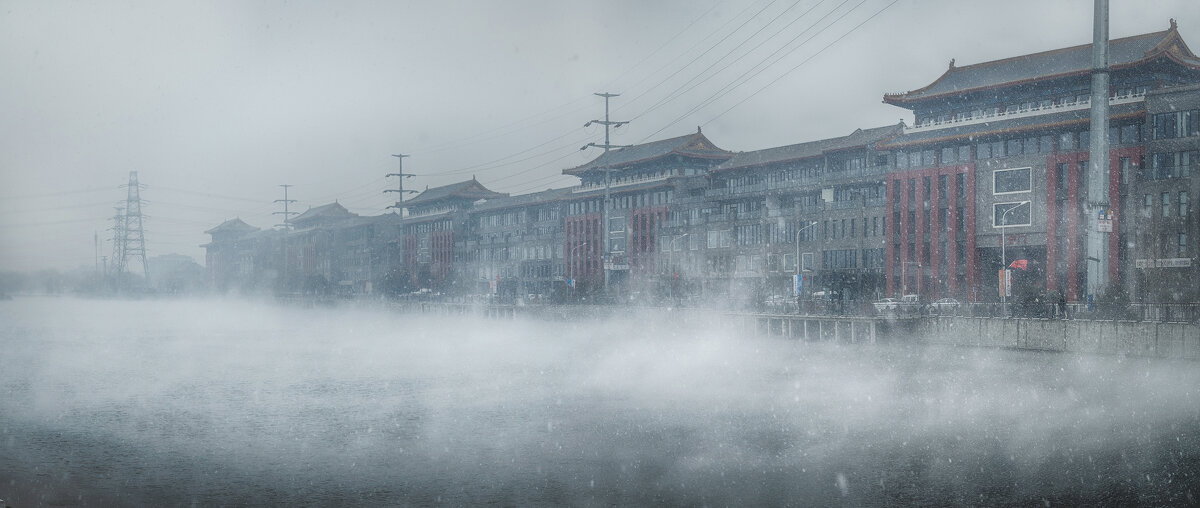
(1163, 263)
(1104, 223)
(1005, 281)
(797, 284)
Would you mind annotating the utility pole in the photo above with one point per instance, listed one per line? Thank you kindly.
(118, 230)
(129, 237)
(399, 206)
(608, 124)
(1097, 189)
(286, 226)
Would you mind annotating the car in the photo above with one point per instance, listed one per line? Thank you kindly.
(945, 306)
(886, 305)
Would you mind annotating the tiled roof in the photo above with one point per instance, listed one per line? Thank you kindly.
(1075, 60)
(468, 190)
(542, 197)
(333, 210)
(691, 145)
(232, 226)
(858, 138)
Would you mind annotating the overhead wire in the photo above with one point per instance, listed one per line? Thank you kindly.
(806, 60)
(750, 74)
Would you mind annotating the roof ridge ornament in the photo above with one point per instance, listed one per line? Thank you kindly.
(951, 64)
(1174, 26)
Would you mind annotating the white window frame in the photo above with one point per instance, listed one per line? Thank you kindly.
(996, 218)
(1029, 187)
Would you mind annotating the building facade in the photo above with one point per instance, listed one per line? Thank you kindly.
(993, 170)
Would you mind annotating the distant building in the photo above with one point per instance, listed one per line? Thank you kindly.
(885, 211)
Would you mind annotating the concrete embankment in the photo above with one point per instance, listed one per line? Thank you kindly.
(1134, 338)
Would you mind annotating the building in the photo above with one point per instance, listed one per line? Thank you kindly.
(993, 170)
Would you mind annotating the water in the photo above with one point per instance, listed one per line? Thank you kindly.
(234, 402)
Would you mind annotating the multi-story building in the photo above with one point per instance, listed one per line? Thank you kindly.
(993, 170)
(644, 183)
(999, 150)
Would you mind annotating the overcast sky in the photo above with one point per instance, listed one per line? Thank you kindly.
(215, 104)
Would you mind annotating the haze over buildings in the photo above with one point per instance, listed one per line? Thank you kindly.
(215, 105)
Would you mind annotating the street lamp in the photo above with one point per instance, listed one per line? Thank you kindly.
(571, 256)
(671, 263)
(1003, 243)
(799, 264)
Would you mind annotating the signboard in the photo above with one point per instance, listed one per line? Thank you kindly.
(1104, 223)
(1163, 263)
(1005, 283)
(615, 267)
(797, 284)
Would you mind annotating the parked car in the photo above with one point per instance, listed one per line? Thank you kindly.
(945, 306)
(886, 305)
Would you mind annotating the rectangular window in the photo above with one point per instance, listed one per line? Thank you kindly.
(1183, 250)
(1183, 204)
(983, 151)
(948, 155)
(1166, 204)
(1126, 166)
(1066, 141)
(1011, 214)
(1147, 204)
(1013, 147)
(1005, 181)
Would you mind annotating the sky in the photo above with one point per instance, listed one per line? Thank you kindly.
(217, 104)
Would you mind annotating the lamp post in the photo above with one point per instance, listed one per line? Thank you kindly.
(1003, 243)
(571, 256)
(904, 276)
(671, 263)
(799, 263)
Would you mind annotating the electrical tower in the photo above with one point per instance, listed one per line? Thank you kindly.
(607, 254)
(287, 222)
(129, 238)
(399, 206)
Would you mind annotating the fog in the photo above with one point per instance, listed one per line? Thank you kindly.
(245, 402)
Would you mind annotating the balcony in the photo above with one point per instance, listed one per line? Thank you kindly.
(930, 125)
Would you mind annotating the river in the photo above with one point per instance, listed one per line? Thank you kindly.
(242, 402)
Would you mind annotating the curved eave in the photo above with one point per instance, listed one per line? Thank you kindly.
(593, 167)
(907, 98)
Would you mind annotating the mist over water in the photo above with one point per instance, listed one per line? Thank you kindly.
(242, 402)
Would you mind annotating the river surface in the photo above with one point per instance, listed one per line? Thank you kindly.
(207, 403)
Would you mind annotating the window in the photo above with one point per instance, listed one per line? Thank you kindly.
(1014, 147)
(1066, 141)
(1183, 250)
(1005, 181)
(1183, 204)
(948, 155)
(1166, 204)
(1011, 214)
(1147, 203)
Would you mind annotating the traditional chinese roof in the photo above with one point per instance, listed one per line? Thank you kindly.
(231, 226)
(333, 210)
(1059, 63)
(693, 145)
(858, 139)
(542, 197)
(470, 190)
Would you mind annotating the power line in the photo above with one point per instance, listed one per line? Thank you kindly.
(814, 55)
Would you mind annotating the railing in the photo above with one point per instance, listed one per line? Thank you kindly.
(929, 125)
(613, 184)
(1162, 313)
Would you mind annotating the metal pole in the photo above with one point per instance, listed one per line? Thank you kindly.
(1097, 189)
